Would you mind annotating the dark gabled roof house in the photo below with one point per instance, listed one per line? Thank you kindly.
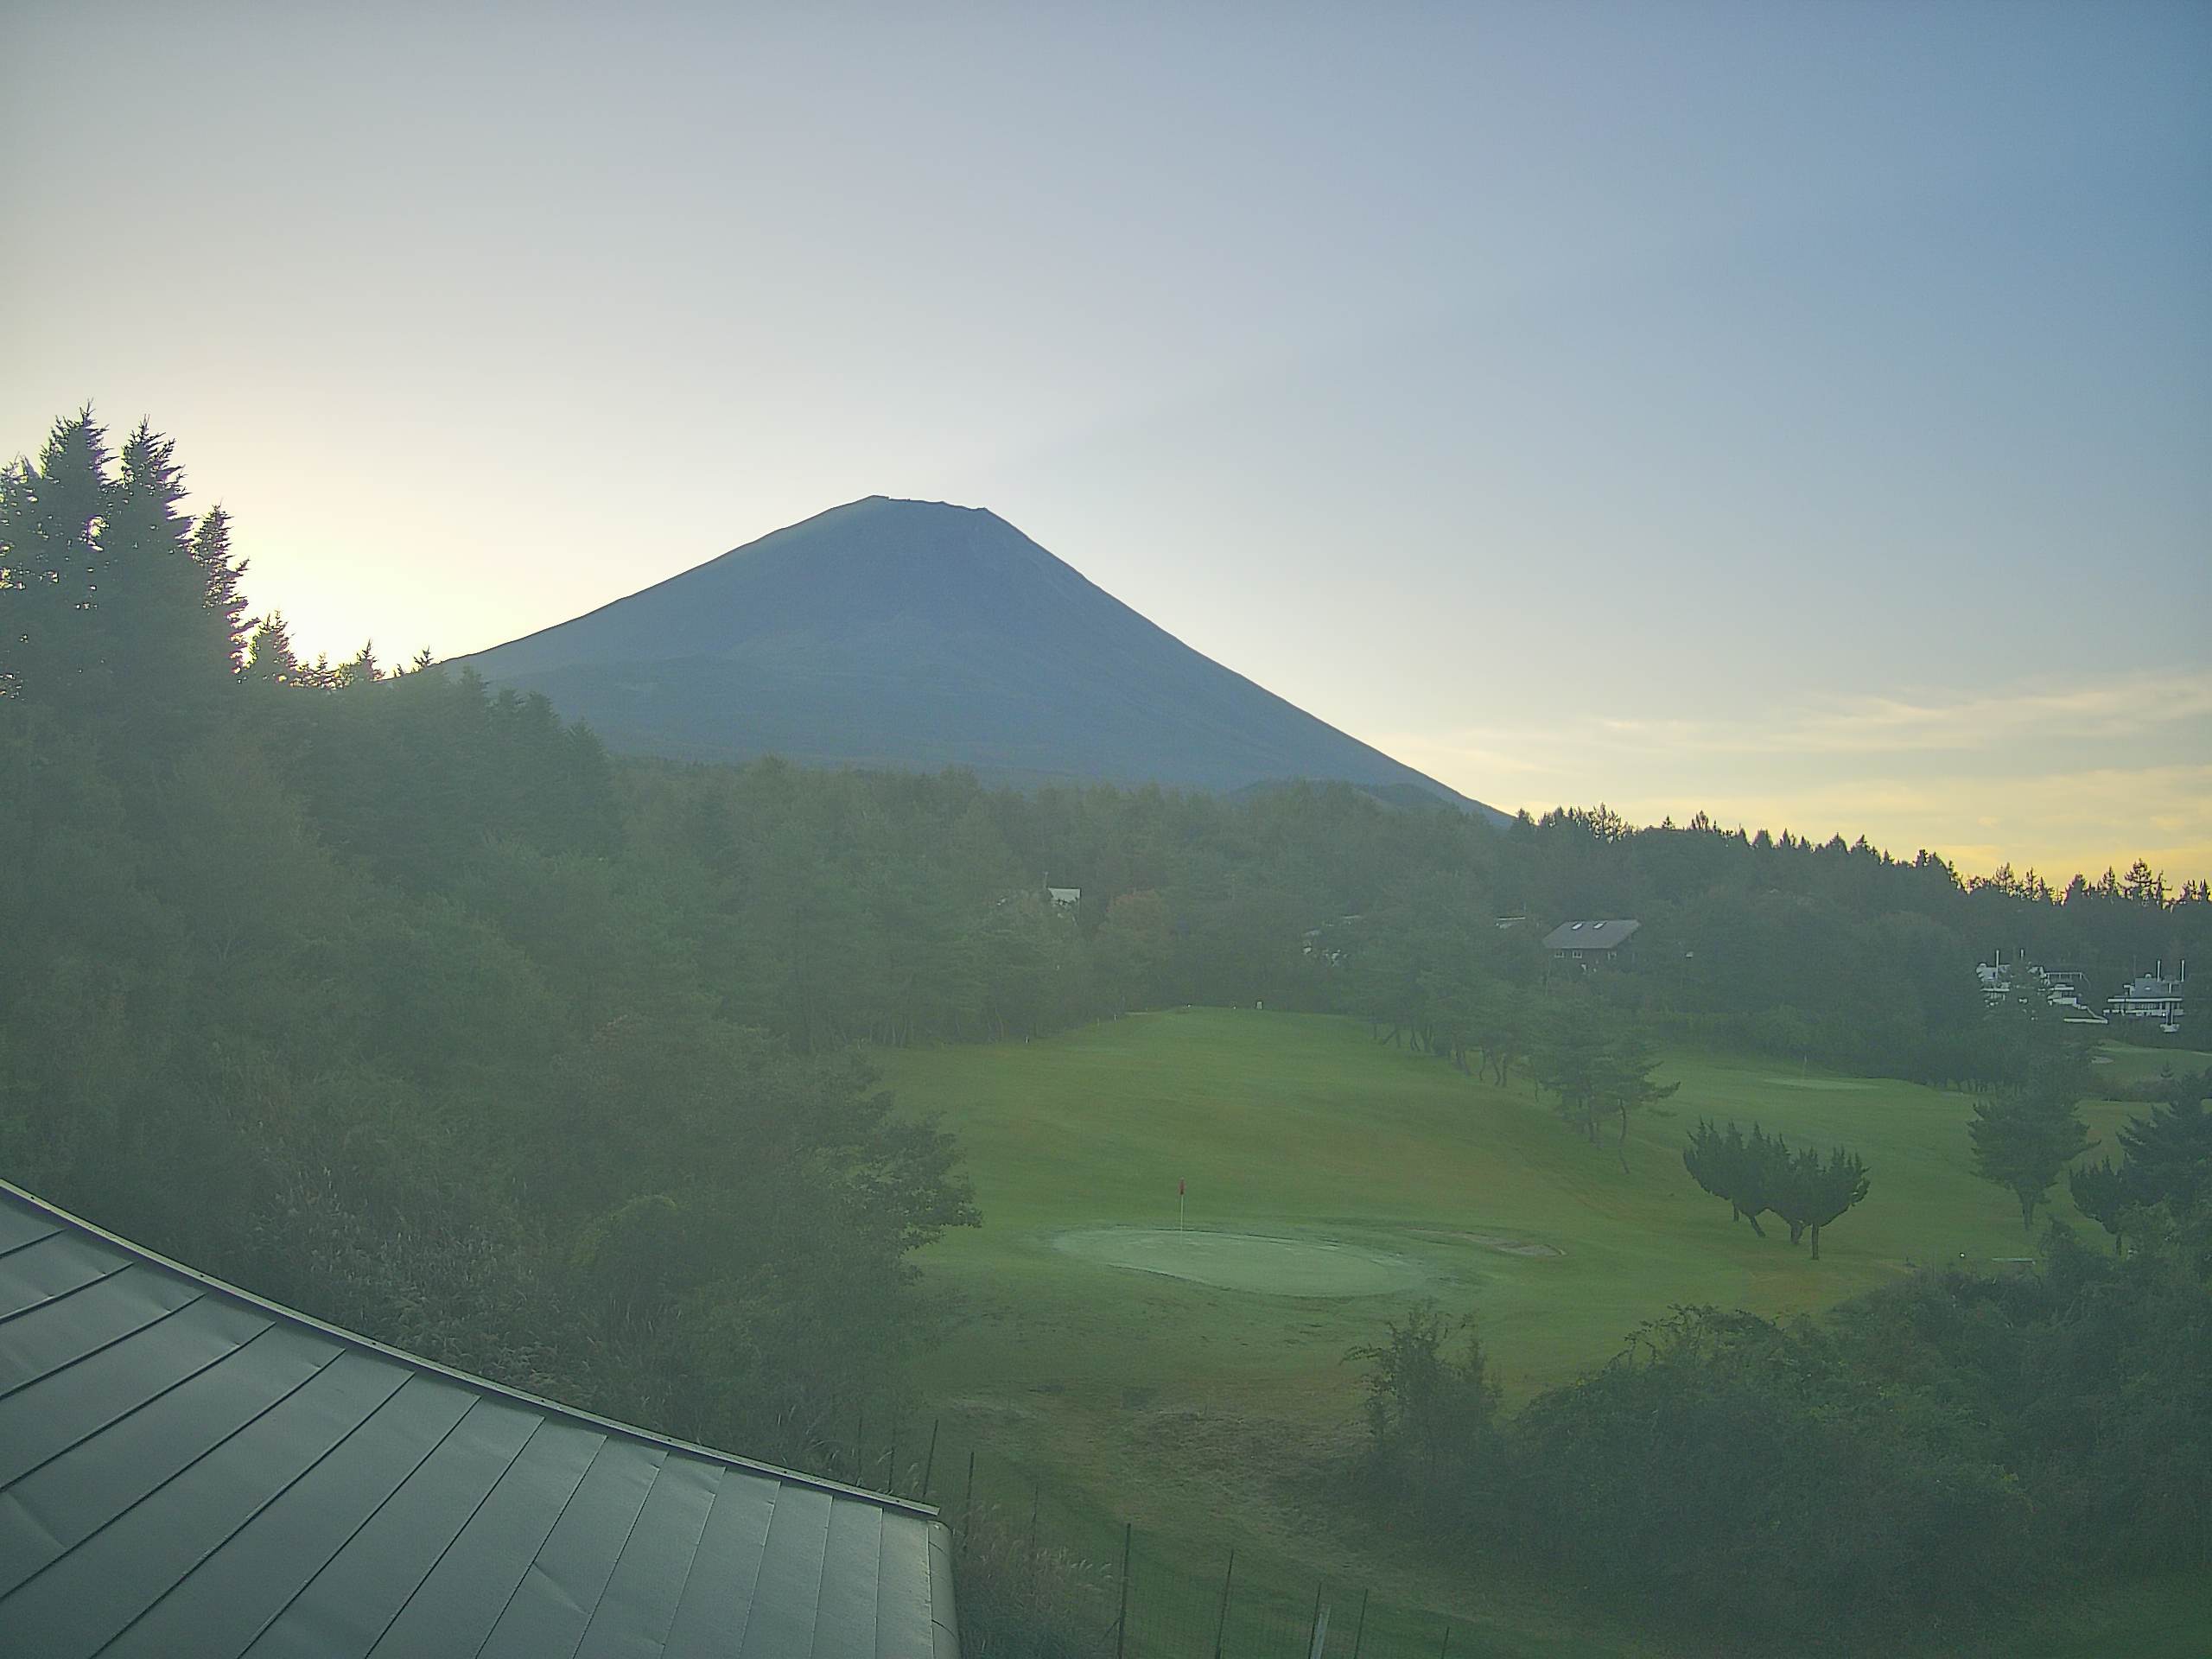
(1578, 939)
(187, 1470)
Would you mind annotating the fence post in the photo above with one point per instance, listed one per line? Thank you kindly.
(1314, 1622)
(968, 1503)
(1445, 1650)
(891, 1463)
(1359, 1631)
(1122, 1617)
(1321, 1631)
(929, 1464)
(1221, 1625)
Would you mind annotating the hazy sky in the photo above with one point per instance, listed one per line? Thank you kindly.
(1800, 411)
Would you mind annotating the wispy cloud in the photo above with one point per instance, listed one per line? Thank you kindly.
(2122, 707)
(2069, 776)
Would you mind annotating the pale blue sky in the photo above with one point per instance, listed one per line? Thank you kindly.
(1800, 411)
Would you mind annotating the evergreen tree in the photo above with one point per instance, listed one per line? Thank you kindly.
(1821, 1190)
(269, 654)
(1625, 1083)
(1574, 1063)
(1743, 1170)
(222, 575)
(2101, 1192)
(2021, 1142)
(2170, 1151)
(50, 566)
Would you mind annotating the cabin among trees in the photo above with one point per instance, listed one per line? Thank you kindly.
(1589, 944)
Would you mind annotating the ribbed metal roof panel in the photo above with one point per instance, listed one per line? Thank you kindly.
(345, 1609)
(715, 1607)
(634, 1612)
(189, 1471)
(781, 1625)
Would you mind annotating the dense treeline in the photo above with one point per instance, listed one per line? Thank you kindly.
(903, 908)
(356, 992)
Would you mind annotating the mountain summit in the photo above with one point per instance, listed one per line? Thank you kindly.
(917, 635)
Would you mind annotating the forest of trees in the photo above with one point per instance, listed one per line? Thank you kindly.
(377, 997)
(405, 1003)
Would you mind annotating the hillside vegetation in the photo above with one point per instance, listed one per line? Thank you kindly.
(395, 998)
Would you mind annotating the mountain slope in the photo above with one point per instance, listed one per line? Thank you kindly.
(917, 635)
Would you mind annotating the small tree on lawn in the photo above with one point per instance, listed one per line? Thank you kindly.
(1823, 1190)
(2021, 1141)
(1574, 1063)
(1625, 1083)
(1741, 1170)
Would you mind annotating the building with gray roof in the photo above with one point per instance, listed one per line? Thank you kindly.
(187, 1470)
(1590, 942)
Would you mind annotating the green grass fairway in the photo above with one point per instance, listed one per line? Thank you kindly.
(1247, 1262)
(1187, 1396)
(2130, 1064)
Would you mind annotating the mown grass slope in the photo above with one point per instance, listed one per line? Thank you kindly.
(1207, 1415)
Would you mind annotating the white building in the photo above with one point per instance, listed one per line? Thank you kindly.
(2151, 996)
(2002, 981)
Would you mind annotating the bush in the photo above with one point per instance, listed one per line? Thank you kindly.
(1432, 1409)
(1020, 1599)
(1932, 1458)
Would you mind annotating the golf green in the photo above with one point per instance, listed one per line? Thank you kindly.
(1247, 1262)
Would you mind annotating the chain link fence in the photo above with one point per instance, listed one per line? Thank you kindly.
(1039, 1576)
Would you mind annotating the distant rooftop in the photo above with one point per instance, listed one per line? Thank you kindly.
(187, 1469)
(1590, 935)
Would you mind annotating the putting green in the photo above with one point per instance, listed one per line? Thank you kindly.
(1249, 1262)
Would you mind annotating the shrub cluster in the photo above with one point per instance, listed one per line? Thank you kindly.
(1932, 1457)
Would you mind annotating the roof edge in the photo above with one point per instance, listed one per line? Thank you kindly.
(554, 1407)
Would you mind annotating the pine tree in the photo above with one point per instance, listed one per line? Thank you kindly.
(1825, 1189)
(269, 654)
(2170, 1151)
(2021, 1141)
(112, 604)
(1744, 1171)
(1624, 1081)
(1573, 1063)
(153, 595)
(2100, 1192)
(222, 575)
(50, 555)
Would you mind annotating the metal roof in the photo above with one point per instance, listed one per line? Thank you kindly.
(1589, 936)
(187, 1470)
